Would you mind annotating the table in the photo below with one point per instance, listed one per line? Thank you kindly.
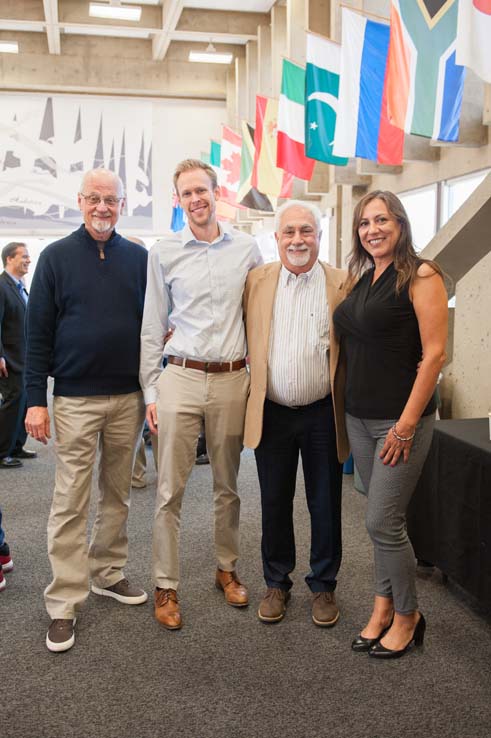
(449, 517)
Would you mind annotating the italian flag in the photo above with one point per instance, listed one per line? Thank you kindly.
(290, 154)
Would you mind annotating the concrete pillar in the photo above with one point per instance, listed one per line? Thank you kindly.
(296, 25)
(486, 111)
(232, 117)
(278, 46)
(264, 64)
(241, 94)
(251, 59)
(319, 16)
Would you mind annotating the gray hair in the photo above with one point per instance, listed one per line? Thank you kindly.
(10, 249)
(107, 172)
(305, 205)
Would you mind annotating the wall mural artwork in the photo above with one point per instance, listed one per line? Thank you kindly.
(46, 143)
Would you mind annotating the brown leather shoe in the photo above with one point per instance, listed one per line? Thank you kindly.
(235, 592)
(167, 610)
(273, 605)
(324, 609)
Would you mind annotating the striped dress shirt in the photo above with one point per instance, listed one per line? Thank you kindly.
(298, 357)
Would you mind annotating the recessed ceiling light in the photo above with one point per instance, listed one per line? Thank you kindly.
(9, 47)
(210, 58)
(115, 12)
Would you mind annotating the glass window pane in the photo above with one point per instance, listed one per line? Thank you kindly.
(421, 209)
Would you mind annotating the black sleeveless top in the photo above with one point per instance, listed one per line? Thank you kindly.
(379, 332)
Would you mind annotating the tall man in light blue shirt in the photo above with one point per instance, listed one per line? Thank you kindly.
(195, 284)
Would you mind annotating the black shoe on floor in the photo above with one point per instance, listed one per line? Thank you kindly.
(24, 454)
(8, 462)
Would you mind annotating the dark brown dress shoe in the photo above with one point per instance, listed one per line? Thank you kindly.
(324, 609)
(273, 605)
(235, 592)
(167, 610)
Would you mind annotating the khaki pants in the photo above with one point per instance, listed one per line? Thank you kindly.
(185, 397)
(115, 422)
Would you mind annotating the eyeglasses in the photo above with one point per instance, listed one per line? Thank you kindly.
(110, 201)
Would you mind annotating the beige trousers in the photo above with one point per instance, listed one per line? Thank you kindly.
(115, 422)
(185, 398)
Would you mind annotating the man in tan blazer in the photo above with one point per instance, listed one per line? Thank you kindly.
(296, 406)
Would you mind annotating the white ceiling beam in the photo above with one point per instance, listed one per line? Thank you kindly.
(171, 12)
(52, 26)
(7, 24)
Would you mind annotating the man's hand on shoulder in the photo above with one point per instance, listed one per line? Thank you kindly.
(3, 367)
(38, 423)
(151, 416)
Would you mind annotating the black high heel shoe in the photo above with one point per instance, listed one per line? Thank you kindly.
(378, 651)
(361, 644)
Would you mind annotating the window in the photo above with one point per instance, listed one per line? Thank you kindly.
(421, 207)
(456, 191)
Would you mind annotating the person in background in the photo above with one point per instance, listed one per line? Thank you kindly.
(83, 328)
(13, 303)
(296, 406)
(195, 285)
(393, 329)
(6, 563)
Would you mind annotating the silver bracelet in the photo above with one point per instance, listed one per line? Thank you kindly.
(400, 438)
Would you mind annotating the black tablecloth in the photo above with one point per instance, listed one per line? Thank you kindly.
(449, 518)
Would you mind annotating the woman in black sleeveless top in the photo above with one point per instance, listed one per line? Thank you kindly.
(393, 330)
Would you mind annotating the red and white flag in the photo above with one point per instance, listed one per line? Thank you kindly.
(474, 37)
(229, 175)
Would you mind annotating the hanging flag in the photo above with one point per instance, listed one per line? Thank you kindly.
(362, 126)
(178, 219)
(321, 98)
(215, 153)
(474, 37)
(229, 175)
(247, 195)
(224, 210)
(290, 152)
(424, 83)
(266, 176)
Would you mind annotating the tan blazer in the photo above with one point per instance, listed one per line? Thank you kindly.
(259, 299)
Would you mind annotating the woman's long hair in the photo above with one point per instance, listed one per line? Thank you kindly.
(406, 260)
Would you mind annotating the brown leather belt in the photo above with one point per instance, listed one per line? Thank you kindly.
(207, 366)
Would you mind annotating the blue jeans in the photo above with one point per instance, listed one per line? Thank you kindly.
(310, 431)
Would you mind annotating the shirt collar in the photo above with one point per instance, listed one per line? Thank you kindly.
(287, 277)
(187, 236)
(15, 280)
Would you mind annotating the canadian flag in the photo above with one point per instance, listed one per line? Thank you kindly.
(474, 36)
(229, 175)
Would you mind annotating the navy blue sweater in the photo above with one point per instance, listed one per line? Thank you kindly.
(84, 317)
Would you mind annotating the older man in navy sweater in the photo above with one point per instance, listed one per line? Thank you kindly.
(83, 329)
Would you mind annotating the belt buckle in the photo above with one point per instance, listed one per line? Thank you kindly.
(207, 363)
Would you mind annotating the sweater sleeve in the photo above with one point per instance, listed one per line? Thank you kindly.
(40, 331)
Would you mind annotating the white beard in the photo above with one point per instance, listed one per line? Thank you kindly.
(298, 258)
(101, 226)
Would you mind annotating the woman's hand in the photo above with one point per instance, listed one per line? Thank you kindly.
(394, 447)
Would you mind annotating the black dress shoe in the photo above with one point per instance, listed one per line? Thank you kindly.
(24, 454)
(380, 652)
(8, 462)
(361, 644)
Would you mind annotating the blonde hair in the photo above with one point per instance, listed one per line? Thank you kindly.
(187, 165)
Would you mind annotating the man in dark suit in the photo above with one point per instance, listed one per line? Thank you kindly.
(13, 301)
